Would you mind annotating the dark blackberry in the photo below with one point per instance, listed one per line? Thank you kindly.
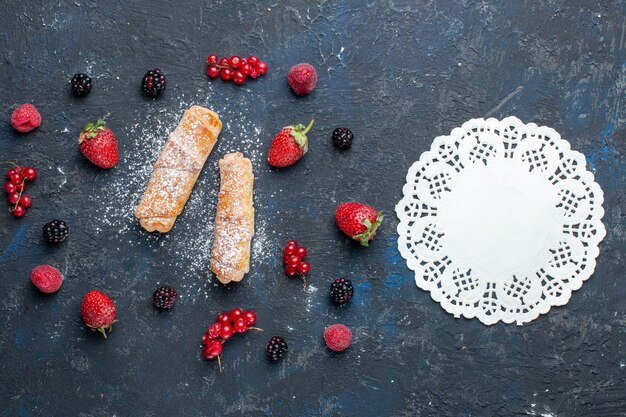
(81, 84)
(164, 297)
(341, 291)
(276, 347)
(154, 82)
(342, 138)
(55, 231)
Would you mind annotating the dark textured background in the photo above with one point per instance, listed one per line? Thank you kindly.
(399, 73)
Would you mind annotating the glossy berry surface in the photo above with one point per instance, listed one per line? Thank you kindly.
(341, 291)
(227, 74)
(9, 187)
(154, 83)
(342, 138)
(164, 297)
(226, 332)
(16, 178)
(276, 348)
(304, 268)
(213, 72)
(81, 84)
(14, 198)
(240, 325)
(234, 61)
(29, 173)
(250, 317)
(223, 318)
(212, 59)
(235, 314)
(19, 211)
(55, 231)
(214, 331)
(239, 77)
(26, 201)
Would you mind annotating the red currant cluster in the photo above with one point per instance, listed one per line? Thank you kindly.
(15, 187)
(293, 256)
(235, 68)
(225, 326)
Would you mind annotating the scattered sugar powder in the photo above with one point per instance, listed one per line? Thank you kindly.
(183, 253)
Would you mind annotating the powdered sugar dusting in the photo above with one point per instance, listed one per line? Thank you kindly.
(187, 247)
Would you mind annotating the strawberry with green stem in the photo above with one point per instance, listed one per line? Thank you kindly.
(359, 221)
(289, 145)
(99, 145)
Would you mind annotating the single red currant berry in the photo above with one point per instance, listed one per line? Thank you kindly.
(261, 67)
(14, 198)
(19, 211)
(236, 313)
(294, 260)
(301, 251)
(213, 71)
(286, 258)
(252, 60)
(240, 326)
(223, 318)
(291, 270)
(226, 332)
(10, 172)
(206, 352)
(224, 62)
(250, 317)
(29, 173)
(227, 74)
(291, 242)
(214, 330)
(212, 59)
(215, 347)
(234, 61)
(253, 73)
(239, 77)
(9, 187)
(26, 201)
(304, 268)
(16, 178)
(290, 249)
(245, 68)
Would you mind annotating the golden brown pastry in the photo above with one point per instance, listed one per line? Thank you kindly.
(177, 169)
(234, 220)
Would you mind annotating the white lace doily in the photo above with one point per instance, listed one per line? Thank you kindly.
(500, 220)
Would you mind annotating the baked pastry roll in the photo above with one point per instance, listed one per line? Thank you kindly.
(177, 169)
(234, 220)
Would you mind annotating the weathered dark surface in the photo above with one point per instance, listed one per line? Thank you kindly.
(398, 73)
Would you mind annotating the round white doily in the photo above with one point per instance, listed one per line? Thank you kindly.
(500, 220)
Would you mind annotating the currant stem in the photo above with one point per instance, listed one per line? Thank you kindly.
(303, 281)
(219, 362)
(255, 328)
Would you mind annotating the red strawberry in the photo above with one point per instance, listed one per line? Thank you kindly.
(359, 221)
(289, 145)
(98, 311)
(97, 142)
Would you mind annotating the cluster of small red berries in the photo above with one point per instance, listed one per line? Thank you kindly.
(15, 187)
(235, 68)
(293, 258)
(225, 326)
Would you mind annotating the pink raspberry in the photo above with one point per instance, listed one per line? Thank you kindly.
(47, 278)
(25, 118)
(302, 78)
(338, 337)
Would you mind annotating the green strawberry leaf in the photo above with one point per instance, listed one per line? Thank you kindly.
(364, 237)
